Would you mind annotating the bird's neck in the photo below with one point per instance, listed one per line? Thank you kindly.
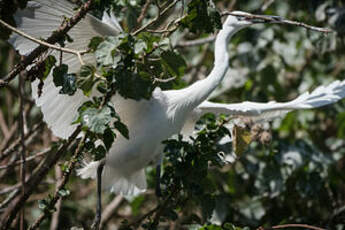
(200, 90)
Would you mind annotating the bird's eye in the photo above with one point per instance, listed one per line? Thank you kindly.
(241, 18)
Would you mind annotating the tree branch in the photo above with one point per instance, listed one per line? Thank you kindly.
(156, 18)
(63, 182)
(22, 143)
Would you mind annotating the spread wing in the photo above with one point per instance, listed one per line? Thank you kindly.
(40, 19)
(321, 96)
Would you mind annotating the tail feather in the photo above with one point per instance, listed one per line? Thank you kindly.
(124, 185)
(117, 183)
(89, 171)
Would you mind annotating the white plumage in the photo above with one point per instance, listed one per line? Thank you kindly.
(149, 122)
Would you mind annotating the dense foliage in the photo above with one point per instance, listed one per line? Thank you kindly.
(293, 177)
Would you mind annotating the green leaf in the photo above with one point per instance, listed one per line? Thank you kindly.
(105, 51)
(174, 63)
(202, 17)
(85, 79)
(61, 77)
(108, 138)
(42, 204)
(63, 192)
(140, 46)
(99, 152)
(132, 85)
(49, 64)
(149, 39)
(122, 128)
(94, 43)
(97, 120)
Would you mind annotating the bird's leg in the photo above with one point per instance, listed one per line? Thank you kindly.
(97, 220)
(158, 180)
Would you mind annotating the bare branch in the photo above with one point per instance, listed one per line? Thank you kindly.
(110, 209)
(282, 226)
(16, 143)
(54, 224)
(57, 196)
(164, 80)
(144, 11)
(266, 5)
(196, 42)
(22, 143)
(156, 18)
(30, 158)
(34, 180)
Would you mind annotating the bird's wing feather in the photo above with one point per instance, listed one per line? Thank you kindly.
(40, 19)
(321, 96)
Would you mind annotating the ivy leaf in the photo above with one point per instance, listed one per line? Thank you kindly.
(201, 17)
(49, 64)
(108, 138)
(94, 43)
(97, 120)
(42, 204)
(63, 192)
(61, 77)
(105, 50)
(140, 46)
(241, 139)
(132, 85)
(174, 63)
(85, 79)
(122, 128)
(149, 39)
(99, 152)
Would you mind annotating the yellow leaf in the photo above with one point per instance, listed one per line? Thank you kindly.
(241, 139)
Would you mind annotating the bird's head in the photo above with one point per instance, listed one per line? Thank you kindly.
(240, 19)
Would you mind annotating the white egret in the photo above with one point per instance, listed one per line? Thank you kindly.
(165, 114)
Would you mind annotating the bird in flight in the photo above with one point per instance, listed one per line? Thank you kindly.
(151, 121)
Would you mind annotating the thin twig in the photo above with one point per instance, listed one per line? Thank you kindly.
(278, 20)
(144, 11)
(57, 195)
(54, 224)
(22, 143)
(110, 209)
(156, 18)
(9, 198)
(164, 80)
(34, 181)
(196, 42)
(266, 5)
(30, 158)
(7, 140)
(9, 189)
(16, 143)
(282, 226)
(41, 42)
(78, 53)
(56, 36)
(3, 126)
